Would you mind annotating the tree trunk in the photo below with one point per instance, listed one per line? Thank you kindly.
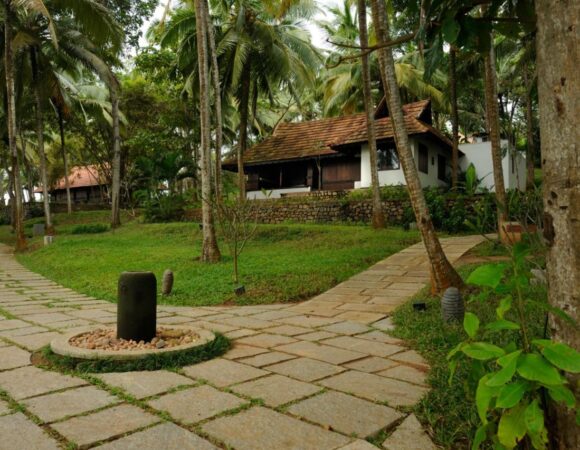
(558, 87)
(242, 145)
(493, 128)
(64, 161)
(454, 116)
(11, 120)
(530, 144)
(217, 103)
(40, 137)
(442, 272)
(116, 182)
(210, 251)
(378, 220)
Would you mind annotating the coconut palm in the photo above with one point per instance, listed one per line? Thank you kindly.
(442, 272)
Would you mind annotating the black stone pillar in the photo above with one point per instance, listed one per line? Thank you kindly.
(137, 306)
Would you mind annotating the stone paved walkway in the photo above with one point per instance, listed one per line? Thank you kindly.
(318, 375)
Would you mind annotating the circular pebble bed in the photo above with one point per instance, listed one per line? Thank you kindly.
(106, 339)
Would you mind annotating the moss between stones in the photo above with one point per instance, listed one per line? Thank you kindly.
(48, 359)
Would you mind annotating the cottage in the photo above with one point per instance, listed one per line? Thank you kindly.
(87, 185)
(333, 154)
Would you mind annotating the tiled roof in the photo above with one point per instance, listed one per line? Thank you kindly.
(85, 176)
(292, 141)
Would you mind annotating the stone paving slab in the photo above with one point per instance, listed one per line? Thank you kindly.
(196, 404)
(345, 413)
(409, 436)
(70, 403)
(19, 433)
(166, 436)
(30, 381)
(324, 353)
(13, 357)
(36, 341)
(222, 372)
(4, 408)
(263, 429)
(405, 373)
(305, 369)
(276, 390)
(266, 340)
(106, 424)
(372, 364)
(146, 383)
(266, 359)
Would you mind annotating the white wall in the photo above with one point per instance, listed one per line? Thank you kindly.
(479, 155)
(275, 193)
(397, 177)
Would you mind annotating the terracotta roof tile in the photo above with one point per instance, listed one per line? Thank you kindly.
(84, 176)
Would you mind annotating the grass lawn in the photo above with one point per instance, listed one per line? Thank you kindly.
(449, 409)
(283, 263)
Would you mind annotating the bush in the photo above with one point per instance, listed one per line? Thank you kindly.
(94, 228)
(167, 208)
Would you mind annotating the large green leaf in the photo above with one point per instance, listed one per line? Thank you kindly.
(535, 368)
(483, 397)
(450, 29)
(505, 305)
(489, 275)
(562, 394)
(561, 355)
(512, 426)
(479, 437)
(471, 324)
(534, 418)
(511, 394)
(508, 364)
(482, 351)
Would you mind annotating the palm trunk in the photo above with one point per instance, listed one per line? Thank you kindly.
(217, 103)
(442, 272)
(116, 182)
(454, 116)
(530, 144)
(378, 220)
(558, 87)
(242, 145)
(64, 161)
(493, 127)
(210, 251)
(11, 119)
(40, 138)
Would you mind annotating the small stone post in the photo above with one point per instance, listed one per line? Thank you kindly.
(167, 285)
(137, 306)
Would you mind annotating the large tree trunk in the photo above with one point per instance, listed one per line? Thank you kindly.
(217, 103)
(243, 143)
(210, 251)
(454, 115)
(116, 182)
(11, 120)
(378, 219)
(64, 161)
(493, 128)
(442, 272)
(40, 138)
(530, 144)
(558, 88)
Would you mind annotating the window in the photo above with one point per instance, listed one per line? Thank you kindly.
(423, 159)
(441, 167)
(387, 158)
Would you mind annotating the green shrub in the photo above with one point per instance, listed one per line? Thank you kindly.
(93, 228)
(166, 208)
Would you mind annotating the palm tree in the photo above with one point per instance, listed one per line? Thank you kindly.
(210, 251)
(442, 272)
(454, 115)
(378, 219)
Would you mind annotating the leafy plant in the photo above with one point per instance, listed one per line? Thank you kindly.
(90, 228)
(165, 208)
(513, 379)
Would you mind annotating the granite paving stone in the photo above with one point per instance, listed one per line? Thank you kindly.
(412, 358)
(19, 433)
(146, 383)
(376, 388)
(266, 340)
(243, 351)
(166, 436)
(266, 359)
(13, 357)
(324, 353)
(263, 429)
(105, 424)
(406, 373)
(22, 331)
(276, 390)
(30, 381)
(371, 364)
(359, 444)
(316, 336)
(409, 436)
(305, 369)
(223, 372)
(348, 328)
(56, 406)
(196, 404)
(288, 330)
(4, 409)
(35, 342)
(364, 346)
(345, 413)
(11, 324)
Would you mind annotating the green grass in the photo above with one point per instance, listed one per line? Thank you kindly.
(449, 409)
(283, 263)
